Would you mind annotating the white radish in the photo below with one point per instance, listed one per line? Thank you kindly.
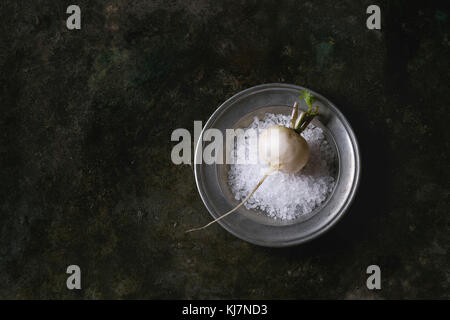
(282, 148)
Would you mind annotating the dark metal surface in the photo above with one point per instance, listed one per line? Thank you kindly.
(86, 118)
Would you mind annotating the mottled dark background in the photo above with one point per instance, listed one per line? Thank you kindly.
(86, 118)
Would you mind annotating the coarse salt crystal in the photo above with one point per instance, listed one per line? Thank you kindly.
(285, 196)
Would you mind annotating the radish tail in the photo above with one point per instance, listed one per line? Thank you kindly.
(239, 205)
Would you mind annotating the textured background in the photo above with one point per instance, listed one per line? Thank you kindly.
(86, 118)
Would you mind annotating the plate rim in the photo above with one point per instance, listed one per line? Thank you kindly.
(342, 210)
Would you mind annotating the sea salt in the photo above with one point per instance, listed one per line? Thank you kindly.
(284, 196)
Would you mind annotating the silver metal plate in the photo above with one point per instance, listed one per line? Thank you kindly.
(254, 226)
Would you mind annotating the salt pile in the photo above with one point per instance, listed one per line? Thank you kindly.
(284, 196)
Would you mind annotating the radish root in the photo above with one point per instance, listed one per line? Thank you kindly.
(240, 204)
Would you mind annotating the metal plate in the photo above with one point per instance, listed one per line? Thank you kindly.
(253, 226)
